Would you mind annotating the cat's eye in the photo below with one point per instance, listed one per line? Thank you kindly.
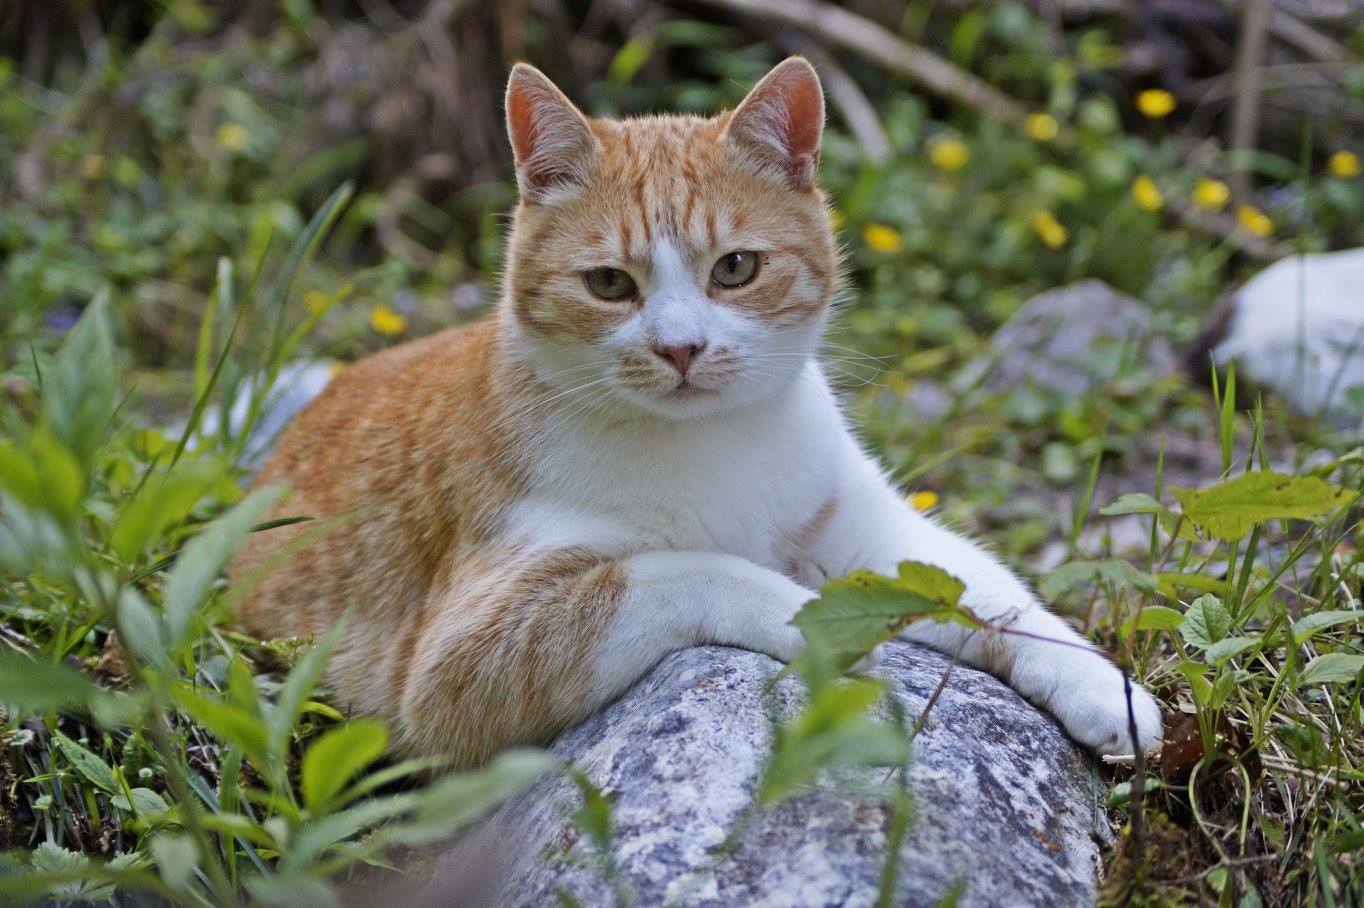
(734, 269)
(610, 283)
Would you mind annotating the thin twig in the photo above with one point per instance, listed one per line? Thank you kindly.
(859, 34)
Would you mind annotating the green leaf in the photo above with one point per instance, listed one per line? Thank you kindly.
(163, 501)
(38, 686)
(87, 764)
(1154, 618)
(1206, 622)
(853, 614)
(204, 557)
(835, 730)
(176, 857)
(80, 384)
(1113, 571)
(1223, 650)
(297, 687)
(1331, 668)
(228, 722)
(335, 757)
(1230, 509)
(140, 627)
(144, 802)
(1134, 503)
(1309, 626)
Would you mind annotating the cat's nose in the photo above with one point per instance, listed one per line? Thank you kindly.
(680, 356)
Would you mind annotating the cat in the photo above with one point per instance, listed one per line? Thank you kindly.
(636, 452)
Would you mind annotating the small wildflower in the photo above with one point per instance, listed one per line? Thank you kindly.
(1155, 103)
(883, 239)
(1147, 194)
(92, 166)
(948, 153)
(233, 136)
(1254, 221)
(314, 301)
(334, 369)
(836, 219)
(387, 322)
(1050, 231)
(1041, 127)
(1211, 195)
(924, 500)
(1344, 164)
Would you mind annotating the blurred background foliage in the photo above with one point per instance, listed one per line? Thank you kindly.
(158, 155)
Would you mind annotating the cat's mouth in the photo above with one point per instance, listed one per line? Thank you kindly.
(686, 390)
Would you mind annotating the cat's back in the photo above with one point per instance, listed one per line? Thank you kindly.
(403, 452)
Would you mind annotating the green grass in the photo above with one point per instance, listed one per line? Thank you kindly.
(147, 744)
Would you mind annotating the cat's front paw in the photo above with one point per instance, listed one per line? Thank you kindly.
(1088, 698)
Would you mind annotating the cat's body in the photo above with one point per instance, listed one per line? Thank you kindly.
(637, 452)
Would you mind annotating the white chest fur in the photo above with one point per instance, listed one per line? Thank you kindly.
(742, 483)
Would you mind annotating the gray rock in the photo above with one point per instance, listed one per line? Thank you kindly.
(1074, 339)
(1003, 802)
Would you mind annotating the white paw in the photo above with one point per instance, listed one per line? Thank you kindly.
(1087, 697)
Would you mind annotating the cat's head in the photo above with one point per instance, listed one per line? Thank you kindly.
(675, 265)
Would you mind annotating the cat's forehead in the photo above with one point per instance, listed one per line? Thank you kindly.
(668, 176)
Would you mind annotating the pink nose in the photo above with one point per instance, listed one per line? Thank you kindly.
(681, 357)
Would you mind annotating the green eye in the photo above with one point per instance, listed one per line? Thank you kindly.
(734, 269)
(610, 283)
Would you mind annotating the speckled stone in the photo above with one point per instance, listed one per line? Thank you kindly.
(1003, 802)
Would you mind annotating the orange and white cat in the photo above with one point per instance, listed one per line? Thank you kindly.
(637, 452)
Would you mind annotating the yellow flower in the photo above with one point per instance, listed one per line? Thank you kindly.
(923, 501)
(1344, 164)
(1041, 127)
(387, 322)
(314, 300)
(882, 238)
(1211, 195)
(1051, 231)
(1254, 221)
(233, 136)
(948, 153)
(836, 219)
(897, 383)
(1147, 194)
(92, 166)
(334, 369)
(1155, 103)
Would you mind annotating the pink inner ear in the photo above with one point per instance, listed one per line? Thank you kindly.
(804, 116)
(521, 121)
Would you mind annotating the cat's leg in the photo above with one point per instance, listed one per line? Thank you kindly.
(1035, 652)
(521, 646)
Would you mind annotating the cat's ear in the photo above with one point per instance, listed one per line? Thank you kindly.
(781, 120)
(550, 138)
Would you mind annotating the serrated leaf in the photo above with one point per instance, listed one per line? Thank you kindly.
(87, 763)
(204, 557)
(1331, 668)
(1206, 622)
(1223, 650)
(1309, 626)
(853, 614)
(1113, 571)
(334, 758)
(1230, 509)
